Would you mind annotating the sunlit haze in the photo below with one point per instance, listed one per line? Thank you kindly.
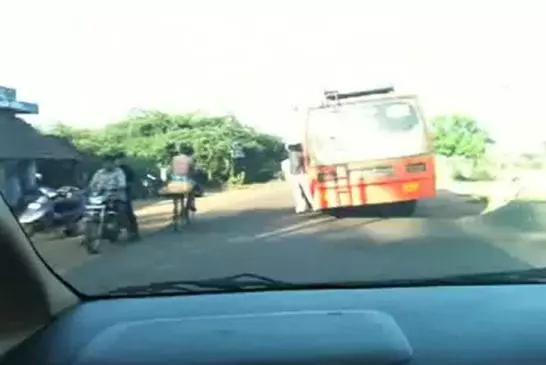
(88, 63)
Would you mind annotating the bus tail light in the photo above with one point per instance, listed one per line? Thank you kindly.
(327, 174)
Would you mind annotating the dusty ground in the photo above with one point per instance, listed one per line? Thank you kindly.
(153, 215)
(255, 230)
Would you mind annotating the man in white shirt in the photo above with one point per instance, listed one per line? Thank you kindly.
(109, 178)
(293, 170)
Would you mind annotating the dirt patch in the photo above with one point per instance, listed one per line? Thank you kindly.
(521, 216)
(63, 254)
(140, 204)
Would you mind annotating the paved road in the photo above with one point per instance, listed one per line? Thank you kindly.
(257, 231)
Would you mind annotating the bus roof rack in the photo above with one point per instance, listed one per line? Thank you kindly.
(333, 95)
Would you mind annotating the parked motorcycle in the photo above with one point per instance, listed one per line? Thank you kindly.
(150, 185)
(53, 209)
(102, 220)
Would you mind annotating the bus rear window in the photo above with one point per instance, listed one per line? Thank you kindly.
(392, 117)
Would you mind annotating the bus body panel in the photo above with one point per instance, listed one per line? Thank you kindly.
(372, 181)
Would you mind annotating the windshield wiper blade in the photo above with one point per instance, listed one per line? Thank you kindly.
(525, 276)
(246, 281)
(249, 281)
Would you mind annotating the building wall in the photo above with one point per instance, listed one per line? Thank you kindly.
(10, 168)
(60, 173)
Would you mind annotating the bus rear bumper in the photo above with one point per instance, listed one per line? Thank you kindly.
(400, 191)
(372, 194)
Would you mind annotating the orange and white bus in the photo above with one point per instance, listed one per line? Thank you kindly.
(364, 148)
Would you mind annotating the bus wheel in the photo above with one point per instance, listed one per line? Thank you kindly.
(401, 209)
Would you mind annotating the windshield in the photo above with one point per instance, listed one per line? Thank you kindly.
(360, 131)
(355, 143)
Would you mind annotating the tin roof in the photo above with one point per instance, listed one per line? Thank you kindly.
(19, 140)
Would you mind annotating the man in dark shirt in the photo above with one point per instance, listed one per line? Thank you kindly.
(130, 177)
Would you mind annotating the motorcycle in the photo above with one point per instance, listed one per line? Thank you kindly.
(52, 209)
(150, 186)
(102, 220)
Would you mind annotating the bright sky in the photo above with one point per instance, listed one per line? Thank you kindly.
(88, 63)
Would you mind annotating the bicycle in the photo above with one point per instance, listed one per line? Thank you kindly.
(180, 191)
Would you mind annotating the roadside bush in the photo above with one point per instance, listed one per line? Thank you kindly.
(444, 168)
(459, 136)
(484, 171)
(150, 138)
(480, 170)
(530, 162)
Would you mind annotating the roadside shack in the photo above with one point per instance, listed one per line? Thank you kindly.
(22, 147)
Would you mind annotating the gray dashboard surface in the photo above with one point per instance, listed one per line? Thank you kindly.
(436, 325)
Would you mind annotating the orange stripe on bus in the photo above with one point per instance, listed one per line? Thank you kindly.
(362, 191)
(323, 199)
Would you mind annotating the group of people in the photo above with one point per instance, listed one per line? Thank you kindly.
(116, 175)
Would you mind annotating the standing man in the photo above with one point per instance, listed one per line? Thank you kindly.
(293, 169)
(130, 178)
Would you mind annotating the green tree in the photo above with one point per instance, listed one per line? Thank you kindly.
(457, 135)
(151, 137)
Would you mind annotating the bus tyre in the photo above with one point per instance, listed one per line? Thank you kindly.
(338, 213)
(401, 209)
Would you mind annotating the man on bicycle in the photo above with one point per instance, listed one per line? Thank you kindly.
(182, 166)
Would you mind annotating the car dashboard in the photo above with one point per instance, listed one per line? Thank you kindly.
(422, 325)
